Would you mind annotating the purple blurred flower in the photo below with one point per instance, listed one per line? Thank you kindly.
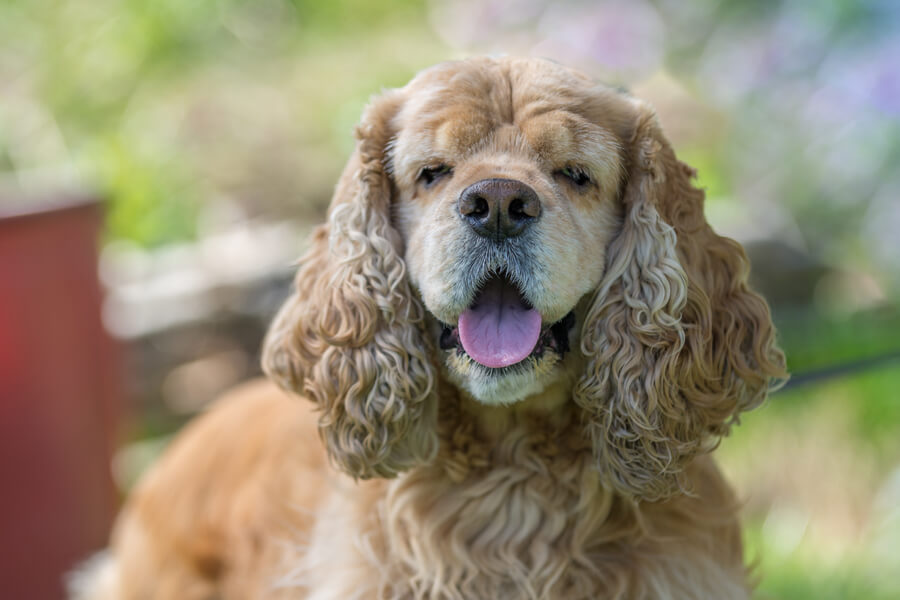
(880, 226)
(625, 40)
(465, 24)
(866, 77)
(620, 39)
(741, 60)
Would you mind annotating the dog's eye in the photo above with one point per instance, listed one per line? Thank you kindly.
(429, 175)
(576, 175)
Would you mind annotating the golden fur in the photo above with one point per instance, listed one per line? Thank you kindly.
(572, 476)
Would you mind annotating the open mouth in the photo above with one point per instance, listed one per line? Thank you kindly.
(501, 328)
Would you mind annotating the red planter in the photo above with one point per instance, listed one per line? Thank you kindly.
(59, 397)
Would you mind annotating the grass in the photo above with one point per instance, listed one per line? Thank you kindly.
(819, 470)
(813, 340)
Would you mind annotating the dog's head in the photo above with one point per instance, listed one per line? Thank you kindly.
(515, 225)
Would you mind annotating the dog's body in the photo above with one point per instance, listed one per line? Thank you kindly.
(244, 505)
(496, 214)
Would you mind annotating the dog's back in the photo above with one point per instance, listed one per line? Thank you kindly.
(237, 488)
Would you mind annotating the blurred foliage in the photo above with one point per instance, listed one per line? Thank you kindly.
(800, 577)
(814, 341)
(818, 471)
(873, 420)
(172, 106)
(168, 106)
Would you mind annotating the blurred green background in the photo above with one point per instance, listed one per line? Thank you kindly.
(214, 130)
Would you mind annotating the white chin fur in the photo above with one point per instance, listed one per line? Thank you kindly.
(518, 382)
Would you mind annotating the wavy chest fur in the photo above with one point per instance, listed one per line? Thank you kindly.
(523, 516)
(521, 519)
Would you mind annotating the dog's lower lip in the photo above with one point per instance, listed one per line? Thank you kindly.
(449, 337)
(554, 337)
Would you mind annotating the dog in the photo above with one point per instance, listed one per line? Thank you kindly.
(505, 360)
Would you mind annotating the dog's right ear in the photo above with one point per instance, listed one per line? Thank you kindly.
(351, 336)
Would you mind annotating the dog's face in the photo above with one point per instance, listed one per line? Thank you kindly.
(507, 198)
(514, 224)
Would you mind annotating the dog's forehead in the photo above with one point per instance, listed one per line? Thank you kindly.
(537, 107)
(454, 105)
(494, 91)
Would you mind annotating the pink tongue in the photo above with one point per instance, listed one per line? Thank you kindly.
(499, 330)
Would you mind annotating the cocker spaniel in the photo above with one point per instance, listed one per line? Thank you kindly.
(516, 340)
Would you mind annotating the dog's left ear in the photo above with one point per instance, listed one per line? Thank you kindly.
(350, 336)
(676, 344)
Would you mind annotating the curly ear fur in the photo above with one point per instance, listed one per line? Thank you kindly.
(350, 336)
(676, 344)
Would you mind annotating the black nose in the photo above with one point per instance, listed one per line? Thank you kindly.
(499, 208)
